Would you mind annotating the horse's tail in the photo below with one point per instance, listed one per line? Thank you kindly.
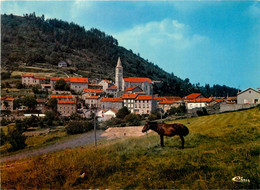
(185, 131)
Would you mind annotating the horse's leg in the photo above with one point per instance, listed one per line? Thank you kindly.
(162, 144)
(182, 141)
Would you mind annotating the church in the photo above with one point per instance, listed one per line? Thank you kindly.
(123, 83)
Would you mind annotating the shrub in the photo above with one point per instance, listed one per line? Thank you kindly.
(122, 113)
(19, 85)
(76, 127)
(2, 137)
(16, 139)
(132, 119)
(4, 122)
(202, 112)
(113, 122)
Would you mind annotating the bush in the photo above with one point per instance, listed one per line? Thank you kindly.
(122, 113)
(16, 139)
(19, 85)
(152, 117)
(202, 112)
(4, 122)
(2, 137)
(113, 122)
(76, 127)
(132, 119)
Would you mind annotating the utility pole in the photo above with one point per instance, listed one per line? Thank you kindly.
(95, 126)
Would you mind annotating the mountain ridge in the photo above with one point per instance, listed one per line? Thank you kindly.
(30, 39)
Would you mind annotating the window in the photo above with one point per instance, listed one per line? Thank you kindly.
(249, 91)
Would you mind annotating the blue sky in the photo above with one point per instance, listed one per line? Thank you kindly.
(208, 42)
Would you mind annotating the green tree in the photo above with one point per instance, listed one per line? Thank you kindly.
(52, 103)
(49, 117)
(30, 102)
(16, 139)
(61, 85)
(132, 119)
(122, 113)
(2, 137)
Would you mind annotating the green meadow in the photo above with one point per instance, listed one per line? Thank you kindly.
(218, 148)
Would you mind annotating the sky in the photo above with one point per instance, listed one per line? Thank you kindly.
(216, 42)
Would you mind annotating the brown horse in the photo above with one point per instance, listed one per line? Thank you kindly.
(169, 130)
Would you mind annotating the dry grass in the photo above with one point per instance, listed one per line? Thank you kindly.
(218, 148)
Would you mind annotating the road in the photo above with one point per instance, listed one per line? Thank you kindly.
(83, 139)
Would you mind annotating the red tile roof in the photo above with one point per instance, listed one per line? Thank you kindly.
(55, 79)
(111, 100)
(93, 90)
(2, 98)
(144, 97)
(201, 100)
(66, 102)
(78, 80)
(218, 100)
(27, 75)
(192, 96)
(93, 97)
(41, 101)
(129, 96)
(62, 96)
(40, 78)
(159, 98)
(167, 102)
(9, 99)
(137, 79)
(176, 98)
(131, 88)
(112, 88)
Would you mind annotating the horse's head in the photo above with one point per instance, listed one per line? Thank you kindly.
(146, 127)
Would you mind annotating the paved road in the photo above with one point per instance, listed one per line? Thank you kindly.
(86, 138)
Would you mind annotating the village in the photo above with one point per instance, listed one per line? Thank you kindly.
(104, 98)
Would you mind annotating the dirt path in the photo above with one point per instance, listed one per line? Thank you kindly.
(86, 138)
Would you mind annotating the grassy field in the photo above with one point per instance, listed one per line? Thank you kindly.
(218, 148)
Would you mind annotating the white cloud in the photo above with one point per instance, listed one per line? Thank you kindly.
(164, 34)
(168, 43)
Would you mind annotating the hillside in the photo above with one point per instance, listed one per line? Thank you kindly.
(218, 148)
(38, 42)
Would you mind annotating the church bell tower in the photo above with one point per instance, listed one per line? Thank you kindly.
(119, 75)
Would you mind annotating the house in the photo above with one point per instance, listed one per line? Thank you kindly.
(123, 83)
(78, 84)
(53, 80)
(232, 100)
(129, 101)
(62, 97)
(31, 80)
(198, 103)
(144, 104)
(66, 108)
(46, 87)
(105, 84)
(95, 86)
(7, 103)
(27, 79)
(166, 104)
(109, 103)
(192, 96)
(248, 96)
(62, 64)
(41, 105)
(91, 92)
(144, 83)
(109, 114)
(133, 90)
(92, 102)
(112, 90)
(39, 80)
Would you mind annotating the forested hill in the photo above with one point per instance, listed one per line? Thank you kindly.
(34, 40)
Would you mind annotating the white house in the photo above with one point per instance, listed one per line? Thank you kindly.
(110, 114)
(248, 96)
